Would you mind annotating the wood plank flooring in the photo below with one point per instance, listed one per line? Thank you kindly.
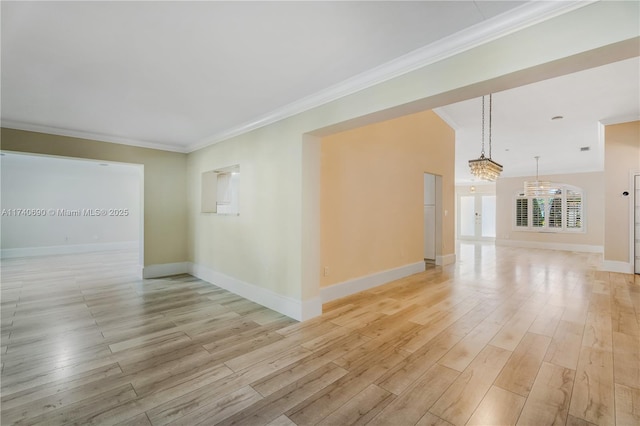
(504, 336)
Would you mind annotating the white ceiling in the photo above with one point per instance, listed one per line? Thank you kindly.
(180, 75)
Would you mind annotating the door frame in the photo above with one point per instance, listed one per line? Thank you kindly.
(477, 205)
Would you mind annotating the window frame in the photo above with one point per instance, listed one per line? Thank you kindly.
(567, 196)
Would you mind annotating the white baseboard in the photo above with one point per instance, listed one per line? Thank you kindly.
(165, 270)
(293, 308)
(356, 285)
(66, 249)
(445, 260)
(583, 248)
(617, 266)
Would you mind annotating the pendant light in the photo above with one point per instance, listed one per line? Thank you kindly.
(485, 168)
(538, 187)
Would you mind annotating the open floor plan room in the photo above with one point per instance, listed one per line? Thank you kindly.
(503, 336)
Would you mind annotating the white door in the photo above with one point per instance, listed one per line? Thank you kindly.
(477, 217)
(430, 216)
(429, 232)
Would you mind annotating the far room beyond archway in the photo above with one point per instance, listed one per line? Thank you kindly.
(372, 201)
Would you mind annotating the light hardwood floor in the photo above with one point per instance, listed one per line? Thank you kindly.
(504, 336)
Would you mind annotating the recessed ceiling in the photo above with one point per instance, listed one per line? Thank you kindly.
(523, 125)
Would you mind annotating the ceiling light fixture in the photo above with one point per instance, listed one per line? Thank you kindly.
(539, 188)
(485, 168)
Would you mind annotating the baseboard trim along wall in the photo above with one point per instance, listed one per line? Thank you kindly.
(293, 308)
(617, 266)
(583, 248)
(445, 260)
(11, 253)
(165, 270)
(356, 285)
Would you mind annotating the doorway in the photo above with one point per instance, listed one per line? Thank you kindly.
(477, 217)
(64, 206)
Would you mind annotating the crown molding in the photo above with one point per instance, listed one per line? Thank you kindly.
(484, 32)
(620, 119)
(100, 137)
(440, 112)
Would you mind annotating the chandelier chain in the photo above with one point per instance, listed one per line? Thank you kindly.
(490, 115)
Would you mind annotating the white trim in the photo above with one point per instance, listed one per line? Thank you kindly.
(445, 260)
(10, 253)
(620, 119)
(346, 288)
(440, 112)
(309, 309)
(165, 270)
(310, 216)
(616, 266)
(583, 248)
(514, 20)
(293, 308)
(19, 125)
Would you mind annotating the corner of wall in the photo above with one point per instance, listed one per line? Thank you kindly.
(165, 270)
(293, 308)
(615, 266)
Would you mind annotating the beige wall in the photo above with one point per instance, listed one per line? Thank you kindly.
(591, 239)
(483, 188)
(372, 196)
(165, 201)
(622, 159)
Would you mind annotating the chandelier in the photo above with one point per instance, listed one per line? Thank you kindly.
(485, 168)
(539, 187)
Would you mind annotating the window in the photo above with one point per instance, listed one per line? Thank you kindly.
(220, 191)
(538, 212)
(555, 212)
(522, 218)
(560, 211)
(574, 210)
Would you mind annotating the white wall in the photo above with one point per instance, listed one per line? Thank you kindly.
(64, 190)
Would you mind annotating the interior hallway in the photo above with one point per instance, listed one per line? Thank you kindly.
(503, 336)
